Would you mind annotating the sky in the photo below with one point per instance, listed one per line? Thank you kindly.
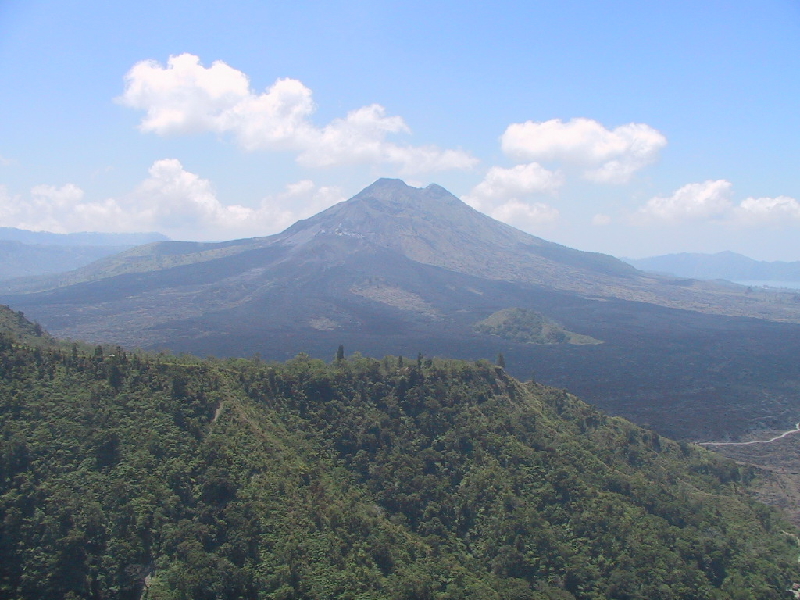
(630, 128)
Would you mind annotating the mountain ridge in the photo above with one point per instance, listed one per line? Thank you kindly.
(721, 265)
(84, 238)
(26, 254)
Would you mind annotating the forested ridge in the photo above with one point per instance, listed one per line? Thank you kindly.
(125, 475)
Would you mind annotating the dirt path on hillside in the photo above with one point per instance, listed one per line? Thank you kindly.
(769, 441)
(778, 459)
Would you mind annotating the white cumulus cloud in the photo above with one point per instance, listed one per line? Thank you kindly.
(183, 205)
(9, 205)
(186, 97)
(297, 201)
(525, 215)
(508, 195)
(171, 200)
(605, 156)
(502, 185)
(179, 202)
(711, 201)
(694, 201)
(758, 211)
(47, 207)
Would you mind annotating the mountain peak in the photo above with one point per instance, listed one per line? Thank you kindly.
(396, 193)
(392, 184)
(387, 183)
(391, 213)
(432, 226)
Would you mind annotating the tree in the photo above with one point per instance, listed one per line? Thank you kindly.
(501, 360)
(340, 353)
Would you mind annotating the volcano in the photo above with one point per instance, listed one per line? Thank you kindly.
(402, 270)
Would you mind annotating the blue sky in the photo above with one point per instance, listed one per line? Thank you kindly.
(632, 128)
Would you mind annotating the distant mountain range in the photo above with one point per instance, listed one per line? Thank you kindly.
(33, 253)
(86, 238)
(722, 265)
(402, 270)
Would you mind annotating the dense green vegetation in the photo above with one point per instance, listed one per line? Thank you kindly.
(529, 327)
(15, 324)
(128, 476)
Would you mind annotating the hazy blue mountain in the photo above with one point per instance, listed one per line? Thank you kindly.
(37, 253)
(722, 265)
(86, 238)
(23, 260)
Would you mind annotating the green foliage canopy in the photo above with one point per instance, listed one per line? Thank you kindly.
(125, 476)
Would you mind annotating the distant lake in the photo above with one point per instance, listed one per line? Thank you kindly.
(794, 285)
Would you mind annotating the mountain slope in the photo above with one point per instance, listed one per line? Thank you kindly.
(123, 475)
(15, 324)
(431, 226)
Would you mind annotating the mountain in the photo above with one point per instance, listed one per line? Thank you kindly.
(125, 475)
(86, 238)
(433, 227)
(401, 270)
(428, 226)
(36, 253)
(722, 265)
(23, 260)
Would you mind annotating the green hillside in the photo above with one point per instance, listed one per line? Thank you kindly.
(132, 476)
(529, 327)
(15, 324)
